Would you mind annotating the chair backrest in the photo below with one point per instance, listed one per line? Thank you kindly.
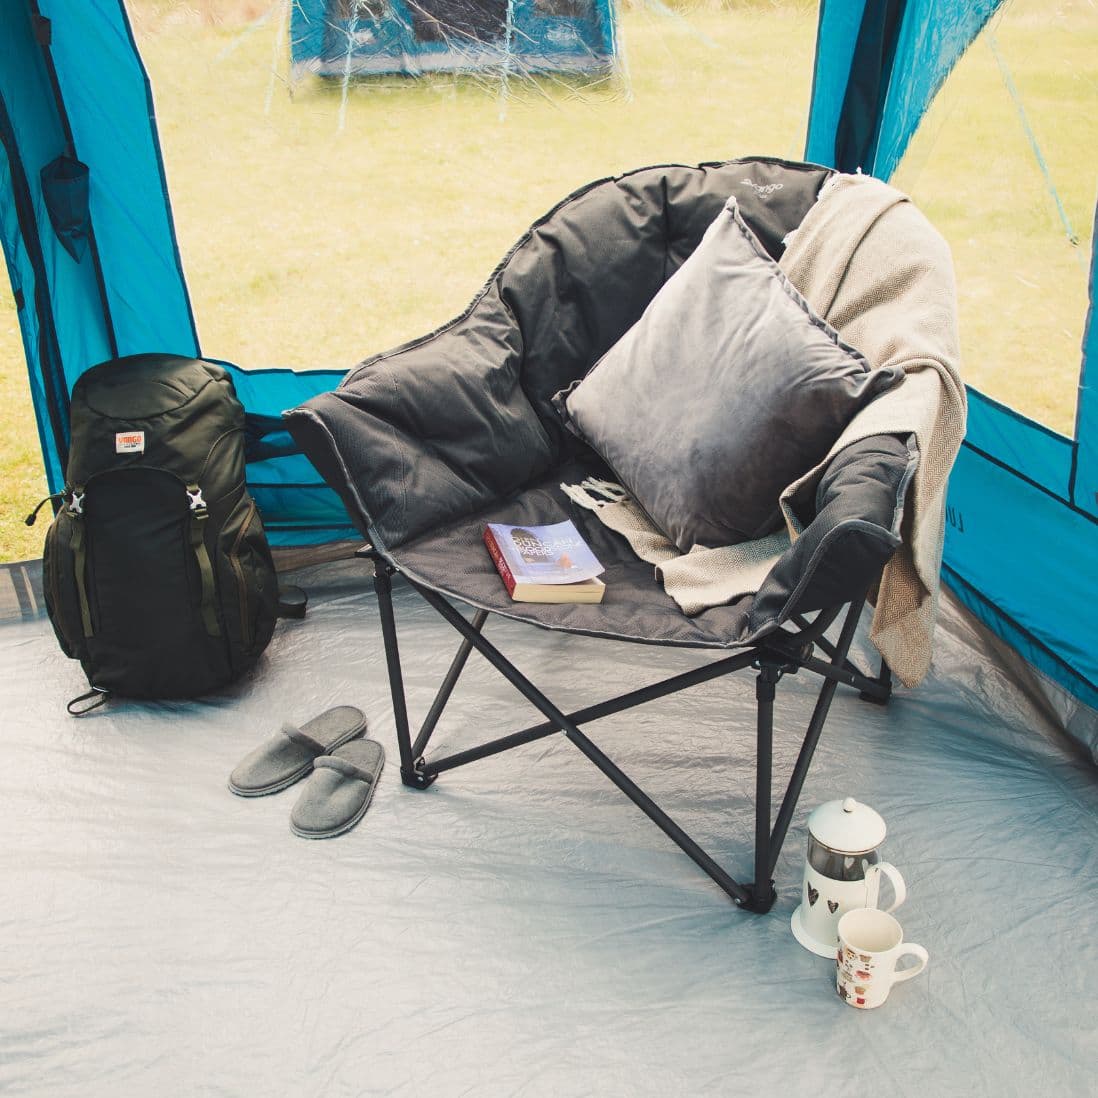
(448, 424)
(586, 271)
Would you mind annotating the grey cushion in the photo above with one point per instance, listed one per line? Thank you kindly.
(725, 391)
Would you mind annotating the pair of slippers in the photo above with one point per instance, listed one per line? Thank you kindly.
(342, 768)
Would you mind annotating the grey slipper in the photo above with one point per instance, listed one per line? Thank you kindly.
(288, 757)
(336, 797)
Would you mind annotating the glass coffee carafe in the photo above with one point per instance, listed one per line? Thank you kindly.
(838, 865)
(843, 870)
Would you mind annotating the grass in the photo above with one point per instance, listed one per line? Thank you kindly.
(307, 245)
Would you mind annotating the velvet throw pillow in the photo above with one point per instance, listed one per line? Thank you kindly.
(725, 391)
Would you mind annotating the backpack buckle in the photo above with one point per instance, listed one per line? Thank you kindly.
(76, 502)
(197, 503)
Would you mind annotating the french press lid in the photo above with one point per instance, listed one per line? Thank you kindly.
(847, 826)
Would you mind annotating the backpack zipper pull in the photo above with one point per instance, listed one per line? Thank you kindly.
(30, 519)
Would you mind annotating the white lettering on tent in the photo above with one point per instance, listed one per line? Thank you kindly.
(129, 442)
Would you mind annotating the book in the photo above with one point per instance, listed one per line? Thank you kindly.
(545, 563)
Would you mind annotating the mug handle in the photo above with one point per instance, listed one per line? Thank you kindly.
(898, 886)
(910, 948)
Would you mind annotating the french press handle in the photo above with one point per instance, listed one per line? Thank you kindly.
(898, 886)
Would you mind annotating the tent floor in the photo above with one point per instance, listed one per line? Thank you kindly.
(520, 928)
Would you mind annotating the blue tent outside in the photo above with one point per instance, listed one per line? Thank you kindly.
(86, 230)
(343, 37)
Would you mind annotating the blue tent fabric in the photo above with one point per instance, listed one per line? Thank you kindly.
(1021, 534)
(1017, 553)
(71, 84)
(107, 98)
(35, 134)
(932, 36)
(870, 72)
(96, 281)
(836, 40)
(298, 508)
(49, 392)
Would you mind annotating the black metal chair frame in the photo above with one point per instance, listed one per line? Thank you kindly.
(783, 652)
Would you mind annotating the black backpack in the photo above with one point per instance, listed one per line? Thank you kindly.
(157, 574)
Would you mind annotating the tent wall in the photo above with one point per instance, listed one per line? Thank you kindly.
(30, 289)
(106, 96)
(1018, 554)
(1021, 534)
(878, 66)
(72, 86)
(298, 508)
(67, 294)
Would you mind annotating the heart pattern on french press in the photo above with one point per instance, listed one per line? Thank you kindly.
(813, 895)
(832, 906)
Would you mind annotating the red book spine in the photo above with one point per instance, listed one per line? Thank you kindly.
(499, 561)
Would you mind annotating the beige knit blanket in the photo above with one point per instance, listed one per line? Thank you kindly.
(875, 269)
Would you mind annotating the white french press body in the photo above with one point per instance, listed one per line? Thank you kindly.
(843, 870)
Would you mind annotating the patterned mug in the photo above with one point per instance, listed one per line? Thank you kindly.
(871, 942)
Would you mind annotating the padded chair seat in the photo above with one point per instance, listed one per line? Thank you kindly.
(853, 530)
(455, 562)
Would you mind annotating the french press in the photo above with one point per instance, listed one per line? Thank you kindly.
(842, 871)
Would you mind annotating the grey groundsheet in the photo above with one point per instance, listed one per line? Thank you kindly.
(520, 928)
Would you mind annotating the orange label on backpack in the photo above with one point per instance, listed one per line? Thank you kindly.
(129, 442)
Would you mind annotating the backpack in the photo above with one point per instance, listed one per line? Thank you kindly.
(157, 573)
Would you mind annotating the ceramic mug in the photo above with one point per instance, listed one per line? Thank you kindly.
(871, 943)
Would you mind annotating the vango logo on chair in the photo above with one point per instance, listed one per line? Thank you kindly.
(763, 190)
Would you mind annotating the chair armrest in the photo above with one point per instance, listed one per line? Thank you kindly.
(859, 505)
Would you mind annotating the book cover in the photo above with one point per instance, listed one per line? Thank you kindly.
(545, 563)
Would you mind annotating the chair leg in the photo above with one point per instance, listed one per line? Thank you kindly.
(812, 735)
(762, 891)
(771, 663)
(409, 768)
(526, 688)
(457, 665)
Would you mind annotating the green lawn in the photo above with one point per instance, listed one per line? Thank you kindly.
(310, 246)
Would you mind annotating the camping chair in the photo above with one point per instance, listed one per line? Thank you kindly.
(429, 442)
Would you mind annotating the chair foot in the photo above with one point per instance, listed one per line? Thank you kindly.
(884, 680)
(876, 699)
(415, 778)
(760, 904)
